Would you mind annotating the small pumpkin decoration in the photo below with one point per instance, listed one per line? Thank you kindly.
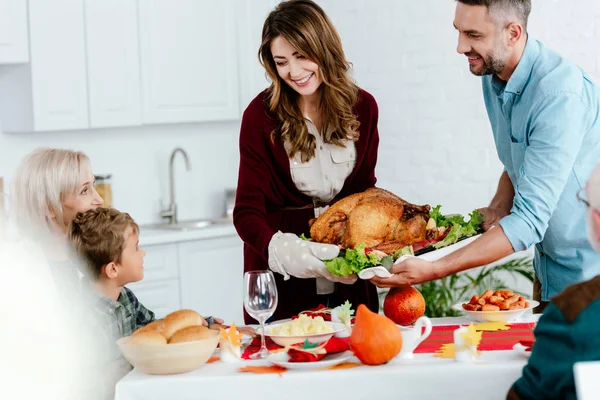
(375, 338)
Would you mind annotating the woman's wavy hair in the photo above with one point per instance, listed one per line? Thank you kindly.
(307, 28)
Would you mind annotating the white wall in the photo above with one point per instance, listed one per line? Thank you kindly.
(436, 143)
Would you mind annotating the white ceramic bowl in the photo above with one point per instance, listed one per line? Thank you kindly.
(286, 340)
(169, 358)
(496, 316)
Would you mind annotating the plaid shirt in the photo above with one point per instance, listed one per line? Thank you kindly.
(123, 316)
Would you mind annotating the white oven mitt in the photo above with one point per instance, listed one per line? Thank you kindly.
(290, 255)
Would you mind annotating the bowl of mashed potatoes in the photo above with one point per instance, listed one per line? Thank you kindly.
(315, 330)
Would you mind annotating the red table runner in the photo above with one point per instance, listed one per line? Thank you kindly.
(498, 340)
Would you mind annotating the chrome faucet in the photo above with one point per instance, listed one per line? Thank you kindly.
(171, 212)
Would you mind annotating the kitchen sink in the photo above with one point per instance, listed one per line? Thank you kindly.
(187, 225)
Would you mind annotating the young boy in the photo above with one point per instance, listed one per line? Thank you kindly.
(107, 242)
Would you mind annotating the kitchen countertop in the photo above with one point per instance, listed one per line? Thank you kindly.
(150, 235)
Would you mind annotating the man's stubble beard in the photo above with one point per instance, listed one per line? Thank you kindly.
(491, 65)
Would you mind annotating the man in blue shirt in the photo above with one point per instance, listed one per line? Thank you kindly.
(544, 112)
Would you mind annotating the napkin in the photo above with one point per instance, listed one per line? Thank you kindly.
(254, 346)
(319, 311)
(528, 344)
(307, 352)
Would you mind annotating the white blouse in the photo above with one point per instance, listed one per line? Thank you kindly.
(322, 177)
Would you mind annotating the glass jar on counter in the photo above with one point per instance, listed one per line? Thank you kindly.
(103, 187)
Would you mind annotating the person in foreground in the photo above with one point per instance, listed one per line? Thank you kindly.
(569, 329)
(543, 110)
(308, 140)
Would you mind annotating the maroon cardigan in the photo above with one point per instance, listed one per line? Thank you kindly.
(265, 186)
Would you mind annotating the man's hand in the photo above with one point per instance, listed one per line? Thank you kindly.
(409, 272)
(501, 203)
(491, 216)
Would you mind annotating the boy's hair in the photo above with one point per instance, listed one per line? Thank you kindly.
(505, 11)
(97, 236)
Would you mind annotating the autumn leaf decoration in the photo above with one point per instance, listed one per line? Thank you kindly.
(471, 339)
(233, 336)
(311, 348)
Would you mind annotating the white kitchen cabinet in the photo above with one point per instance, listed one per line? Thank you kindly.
(161, 297)
(251, 16)
(212, 277)
(159, 290)
(58, 78)
(14, 38)
(113, 73)
(51, 92)
(188, 61)
(161, 262)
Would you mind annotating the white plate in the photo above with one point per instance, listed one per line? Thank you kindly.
(328, 361)
(520, 349)
(434, 255)
(285, 340)
(501, 316)
(444, 251)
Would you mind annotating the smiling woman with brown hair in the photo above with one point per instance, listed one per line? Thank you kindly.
(328, 95)
(308, 140)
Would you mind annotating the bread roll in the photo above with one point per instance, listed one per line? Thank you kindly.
(191, 334)
(147, 338)
(179, 320)
(155, 326)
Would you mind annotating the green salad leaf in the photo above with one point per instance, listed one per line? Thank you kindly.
(459, 228)
(352, 261)
(303, 237)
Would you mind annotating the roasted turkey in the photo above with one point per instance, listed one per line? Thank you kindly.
(376, 218)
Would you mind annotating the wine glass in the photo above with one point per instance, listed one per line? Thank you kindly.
(260, 301)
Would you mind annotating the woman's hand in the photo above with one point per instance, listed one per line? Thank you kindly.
(290, 255)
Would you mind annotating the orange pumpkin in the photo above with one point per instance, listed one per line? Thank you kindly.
(375, 339)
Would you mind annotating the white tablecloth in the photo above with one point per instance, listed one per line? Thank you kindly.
(424, 377)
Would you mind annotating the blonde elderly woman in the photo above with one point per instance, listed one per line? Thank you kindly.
(49, 188)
